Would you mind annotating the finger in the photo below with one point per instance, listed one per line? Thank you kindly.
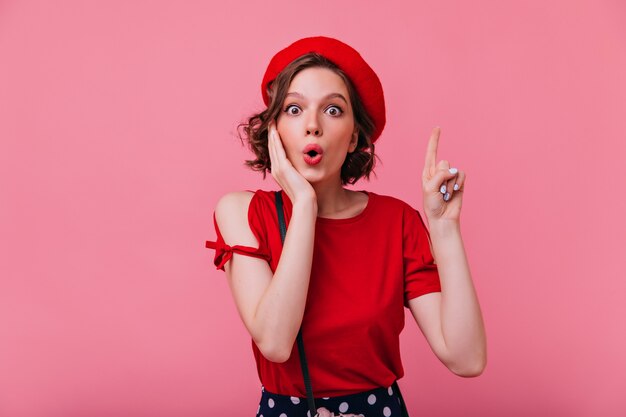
(270, 145)
(271, 142)
(460, 181)
(450, 184)
(280, 149)
(431, 153)
(443, 165)
(324, 412)
(439, 182)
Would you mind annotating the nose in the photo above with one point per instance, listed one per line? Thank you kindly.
(313, 126)
(316, 132)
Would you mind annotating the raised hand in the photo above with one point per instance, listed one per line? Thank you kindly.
(442, 186)
(283, 171)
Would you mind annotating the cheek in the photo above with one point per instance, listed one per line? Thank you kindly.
(287, 137)
(289, 145)
(349, 132)
(343, 132)
(285, 129)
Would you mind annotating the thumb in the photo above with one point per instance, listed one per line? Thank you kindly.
(440, 177)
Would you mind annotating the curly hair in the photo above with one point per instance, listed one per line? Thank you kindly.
(357, 164)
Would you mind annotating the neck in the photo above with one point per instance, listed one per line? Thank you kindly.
(331, 197)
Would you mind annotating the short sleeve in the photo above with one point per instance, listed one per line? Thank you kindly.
(224, 252)
(421, 275)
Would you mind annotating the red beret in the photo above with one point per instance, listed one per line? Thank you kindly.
(363, 77)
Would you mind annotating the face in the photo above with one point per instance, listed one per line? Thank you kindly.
(317, 110)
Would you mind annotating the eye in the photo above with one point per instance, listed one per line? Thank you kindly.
(287, 109)
(337, 111)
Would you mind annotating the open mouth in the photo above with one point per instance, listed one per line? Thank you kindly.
(312, 157)
(312, 153)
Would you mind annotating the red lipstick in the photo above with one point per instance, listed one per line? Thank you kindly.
(313, 153)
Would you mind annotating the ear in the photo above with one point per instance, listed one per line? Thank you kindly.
(355, 141)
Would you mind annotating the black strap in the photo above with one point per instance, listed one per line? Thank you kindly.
(303, 364)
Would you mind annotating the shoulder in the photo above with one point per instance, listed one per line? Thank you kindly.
(232, 202)
(232, 212)
(241, 200)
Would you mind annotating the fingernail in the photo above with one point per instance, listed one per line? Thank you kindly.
(446, 197)
(442, 190)
(456, 187)
(453, 170)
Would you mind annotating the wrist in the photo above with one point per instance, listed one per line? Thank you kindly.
(305, 207)
(443, 228)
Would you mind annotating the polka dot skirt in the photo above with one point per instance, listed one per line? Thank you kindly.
(379, 402)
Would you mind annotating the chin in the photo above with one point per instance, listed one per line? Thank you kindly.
(312, 176)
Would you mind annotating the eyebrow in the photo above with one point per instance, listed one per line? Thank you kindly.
(331, 95)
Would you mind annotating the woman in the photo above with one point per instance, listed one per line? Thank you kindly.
(351, 260)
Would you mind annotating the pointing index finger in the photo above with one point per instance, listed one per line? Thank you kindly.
(431, 152)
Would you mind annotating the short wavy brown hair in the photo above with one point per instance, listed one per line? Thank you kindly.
(359, 163)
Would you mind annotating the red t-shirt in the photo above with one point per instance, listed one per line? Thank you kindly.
(365, 269)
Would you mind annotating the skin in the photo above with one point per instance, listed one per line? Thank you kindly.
(451, 320)
(311, 117)
(272, 304)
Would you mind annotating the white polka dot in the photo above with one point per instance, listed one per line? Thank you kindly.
(390, 391)
(343, 407)
(295, 400)
(282, 415)
(325, 398)
(387, 411)
(371, 399)
(270, 403)
(308, 413)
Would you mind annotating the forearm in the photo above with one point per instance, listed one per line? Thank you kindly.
(281, 308)
(461, 319)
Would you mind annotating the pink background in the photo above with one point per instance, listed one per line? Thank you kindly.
(117, 128)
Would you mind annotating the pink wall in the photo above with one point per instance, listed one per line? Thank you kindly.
(117, 124)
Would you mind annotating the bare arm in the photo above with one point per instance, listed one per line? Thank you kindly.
(270, 305)
(452, 320)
